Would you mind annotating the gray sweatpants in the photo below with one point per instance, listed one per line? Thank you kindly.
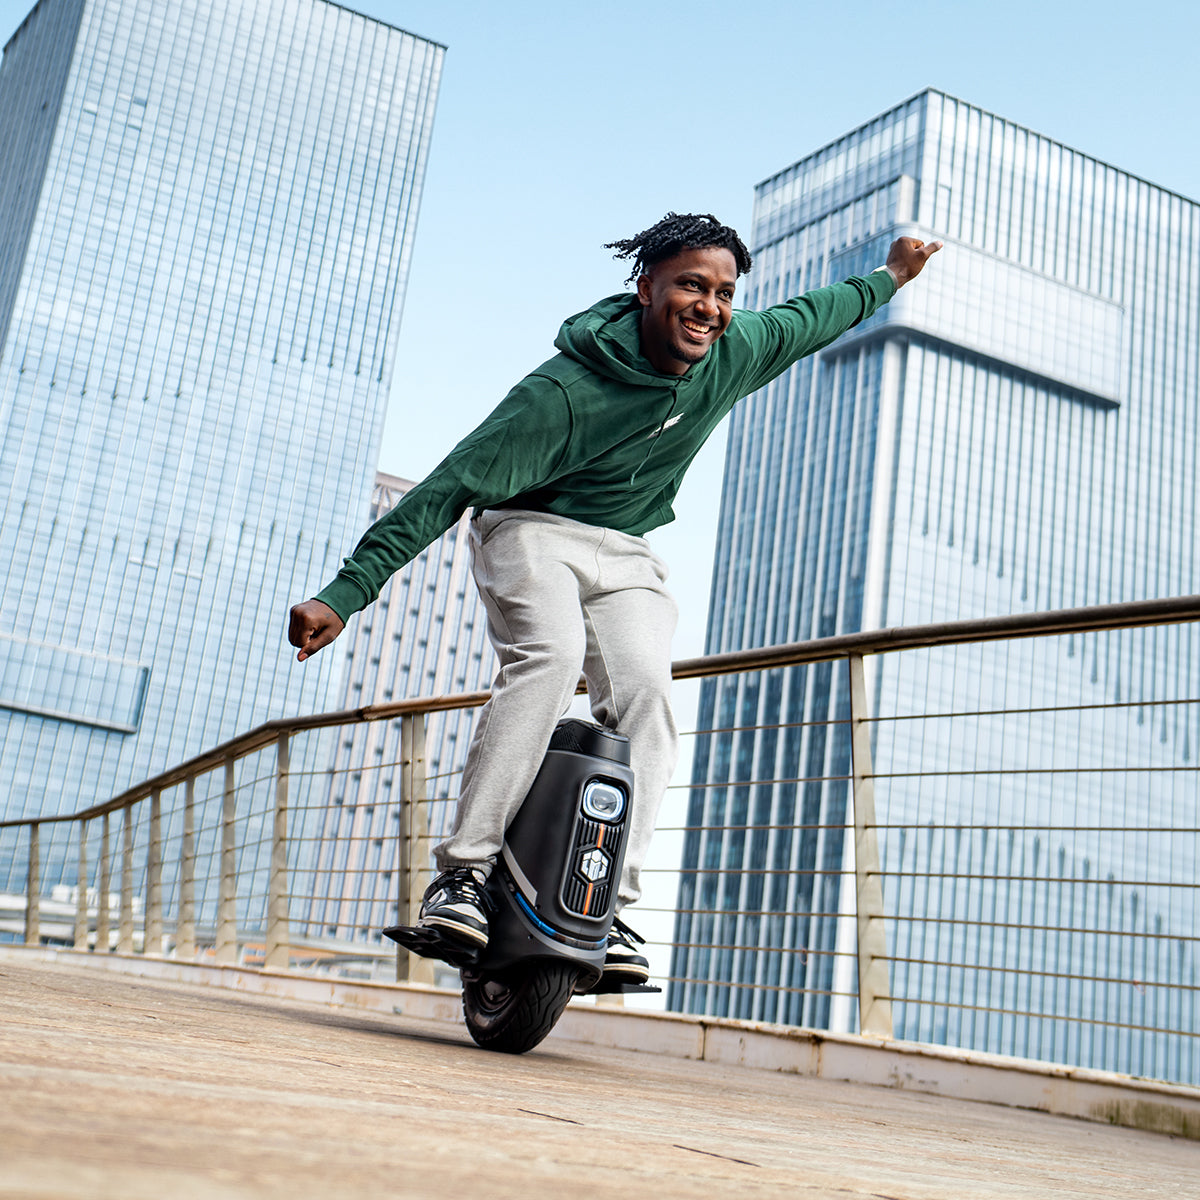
(563, 597)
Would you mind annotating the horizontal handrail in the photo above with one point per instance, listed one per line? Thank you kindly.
(259, 738)
(1095, 618)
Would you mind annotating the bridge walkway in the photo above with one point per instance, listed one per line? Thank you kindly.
(131, 1088)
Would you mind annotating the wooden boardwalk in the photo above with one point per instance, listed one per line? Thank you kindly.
(128, 1088)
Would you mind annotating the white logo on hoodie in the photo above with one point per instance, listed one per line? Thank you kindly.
(665, 426)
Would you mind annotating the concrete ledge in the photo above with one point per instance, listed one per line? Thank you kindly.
(1091, 1095)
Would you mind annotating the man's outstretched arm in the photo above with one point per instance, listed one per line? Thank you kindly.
(784, 333)
(312, 626)
(516, 449)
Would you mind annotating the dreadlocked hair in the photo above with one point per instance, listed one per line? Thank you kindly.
(677, 232)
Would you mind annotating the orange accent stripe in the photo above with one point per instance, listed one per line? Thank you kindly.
(587, 899)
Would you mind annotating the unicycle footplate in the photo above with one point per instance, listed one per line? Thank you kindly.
(612, 987)
(431, 943)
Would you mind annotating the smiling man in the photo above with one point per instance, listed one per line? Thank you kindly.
(570, 471)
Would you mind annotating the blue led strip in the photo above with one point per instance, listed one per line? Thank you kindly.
(549, 930)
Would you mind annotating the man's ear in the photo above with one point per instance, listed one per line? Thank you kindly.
(643, 290)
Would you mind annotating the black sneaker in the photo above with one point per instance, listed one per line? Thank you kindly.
(454, 906)
(623, 961)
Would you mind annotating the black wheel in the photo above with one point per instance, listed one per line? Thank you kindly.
(512, 1011)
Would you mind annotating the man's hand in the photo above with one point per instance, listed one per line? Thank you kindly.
(313, 626)
(907, 256)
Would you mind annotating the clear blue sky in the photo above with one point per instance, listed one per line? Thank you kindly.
(562, 126)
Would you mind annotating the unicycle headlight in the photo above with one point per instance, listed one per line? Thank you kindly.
(603, 801)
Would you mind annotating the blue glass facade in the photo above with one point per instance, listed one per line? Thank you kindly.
(206, 216)
(1016, 431)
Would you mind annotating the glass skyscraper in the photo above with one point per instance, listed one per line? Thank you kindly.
(1017, 431)
(206, 215)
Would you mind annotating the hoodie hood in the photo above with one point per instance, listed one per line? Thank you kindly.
(605, 339)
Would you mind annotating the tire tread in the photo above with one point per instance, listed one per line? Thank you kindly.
(539, 996)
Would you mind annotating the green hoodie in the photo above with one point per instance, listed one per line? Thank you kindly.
(597, 434)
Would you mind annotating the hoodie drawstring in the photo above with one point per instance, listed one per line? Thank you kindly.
(653, 438)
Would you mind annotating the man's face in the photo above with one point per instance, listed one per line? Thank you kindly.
(687, 302)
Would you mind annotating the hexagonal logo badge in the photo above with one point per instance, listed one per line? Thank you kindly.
(594, 865)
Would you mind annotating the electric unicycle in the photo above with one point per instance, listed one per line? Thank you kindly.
(551, 896)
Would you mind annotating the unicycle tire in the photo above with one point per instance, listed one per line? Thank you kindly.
(512, 1011)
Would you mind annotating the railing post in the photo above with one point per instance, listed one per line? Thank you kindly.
(81, 891)
(185, 923)
(277, 898)
(154, 910)
(413, 834)
(125, 921)
(103, 884)
(226, 947)
(33, 889)
(874, 992)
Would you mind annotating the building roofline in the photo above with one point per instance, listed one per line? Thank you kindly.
(24, 21)
(387, 24)
(331, 3)
(928, 91)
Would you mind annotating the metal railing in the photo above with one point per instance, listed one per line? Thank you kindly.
(923, 906)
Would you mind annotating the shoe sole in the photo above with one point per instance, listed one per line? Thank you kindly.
(457, 932)
(628, 971)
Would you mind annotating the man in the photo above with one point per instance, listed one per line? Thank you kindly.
(575, 465)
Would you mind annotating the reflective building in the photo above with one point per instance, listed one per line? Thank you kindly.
(425, 636)
(1017, 431)
(206, 215)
